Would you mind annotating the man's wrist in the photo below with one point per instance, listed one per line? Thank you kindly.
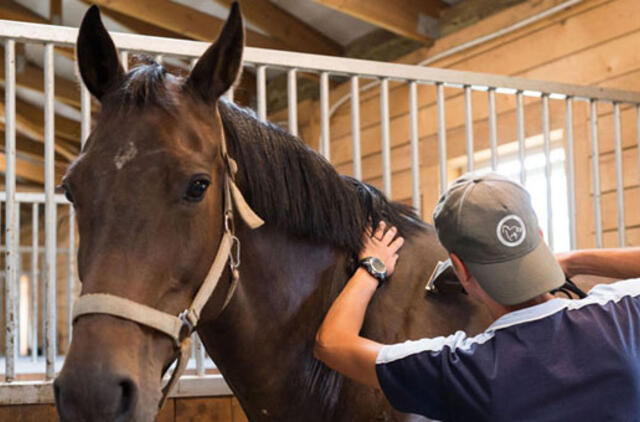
(363, 277)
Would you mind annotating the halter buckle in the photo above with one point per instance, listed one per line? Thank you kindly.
(234, 253)
(189, 321)
(229, 227)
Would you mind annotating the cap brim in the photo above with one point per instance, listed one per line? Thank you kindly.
(516, 281)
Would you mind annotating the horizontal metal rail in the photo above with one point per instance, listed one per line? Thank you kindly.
(66, 36)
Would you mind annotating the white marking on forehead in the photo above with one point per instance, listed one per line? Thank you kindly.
(125, 154)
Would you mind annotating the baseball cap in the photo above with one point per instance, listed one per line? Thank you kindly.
(488, 221)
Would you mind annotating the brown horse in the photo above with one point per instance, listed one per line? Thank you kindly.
(147, 190)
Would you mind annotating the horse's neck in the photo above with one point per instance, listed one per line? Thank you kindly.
(263, 342)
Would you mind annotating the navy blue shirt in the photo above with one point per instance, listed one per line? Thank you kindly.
(562, 360)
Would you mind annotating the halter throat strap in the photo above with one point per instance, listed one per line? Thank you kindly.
(180, 327)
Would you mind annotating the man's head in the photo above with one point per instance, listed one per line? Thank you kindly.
(488, 225)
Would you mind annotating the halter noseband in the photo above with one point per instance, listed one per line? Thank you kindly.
(180, 327)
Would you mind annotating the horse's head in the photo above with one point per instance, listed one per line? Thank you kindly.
(147, 190)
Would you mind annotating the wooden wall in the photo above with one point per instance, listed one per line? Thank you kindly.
(593, 43)
(203, 409)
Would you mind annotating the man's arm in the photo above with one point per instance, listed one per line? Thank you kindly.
(338, 341)
(620, 263)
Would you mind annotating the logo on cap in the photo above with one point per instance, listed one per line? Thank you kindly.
(511, 231)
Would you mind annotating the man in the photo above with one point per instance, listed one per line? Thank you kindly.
(542, 359)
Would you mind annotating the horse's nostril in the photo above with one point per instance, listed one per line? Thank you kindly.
(129, 394)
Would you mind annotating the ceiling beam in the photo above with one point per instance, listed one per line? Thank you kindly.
(470, 12)
(414, 19)
(182, 19)
(291, 31)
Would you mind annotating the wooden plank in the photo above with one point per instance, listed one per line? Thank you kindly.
(588, 60)
(286, 28)
(203, 409)
(29, 413)
(168, 412)
(237, 414)
(181, 19)
(402, 17)
(563, 37)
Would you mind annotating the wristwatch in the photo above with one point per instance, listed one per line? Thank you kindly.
(375, 267)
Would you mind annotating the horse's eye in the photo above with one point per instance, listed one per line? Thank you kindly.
(67, 192)
(197, 188)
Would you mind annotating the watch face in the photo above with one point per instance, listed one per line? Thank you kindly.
(378, 265)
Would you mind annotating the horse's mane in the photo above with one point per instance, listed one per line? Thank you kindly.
(288, 184)
(296, 189)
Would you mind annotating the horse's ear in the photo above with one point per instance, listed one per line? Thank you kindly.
(97, 56)
(219, 67)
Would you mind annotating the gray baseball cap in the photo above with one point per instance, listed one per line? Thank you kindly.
(488, 221)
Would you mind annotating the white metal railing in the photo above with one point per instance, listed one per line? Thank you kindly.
(261, 60)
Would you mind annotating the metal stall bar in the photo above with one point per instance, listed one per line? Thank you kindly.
(50, 214)
(124, 60)
(415, 147)
(355, 127)
(85, 113)
(617, 139)
(442, 137)
(571, 175)
(261, 88)
(199, 354)
(522, 147)
(34, 280)
(65, 36)
(15, 226)
(468, 119)
(70, 272)
(546, 145)
(595, 168)
(493, 129)
(11, 256)
(325, 143)
(292, 99)
(386, 137)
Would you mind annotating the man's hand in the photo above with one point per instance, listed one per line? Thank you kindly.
(382, 246)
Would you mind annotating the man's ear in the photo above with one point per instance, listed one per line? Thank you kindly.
(97, 55)
(460, 269)
(219, 67)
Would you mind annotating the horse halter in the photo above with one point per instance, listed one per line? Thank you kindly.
(180, 327)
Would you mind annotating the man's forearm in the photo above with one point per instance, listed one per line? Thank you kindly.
(338, 342)
(614, 263)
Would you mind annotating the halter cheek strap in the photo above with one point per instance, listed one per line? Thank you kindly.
(180, 327)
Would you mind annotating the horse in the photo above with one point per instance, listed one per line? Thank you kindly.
(148, 189)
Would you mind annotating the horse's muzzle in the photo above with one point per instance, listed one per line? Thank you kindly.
(95, 397)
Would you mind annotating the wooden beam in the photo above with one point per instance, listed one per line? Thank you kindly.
(286, 28)
(55, 12)
(470, 12)
(181, 19)
(139, 26)
(415, 19)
